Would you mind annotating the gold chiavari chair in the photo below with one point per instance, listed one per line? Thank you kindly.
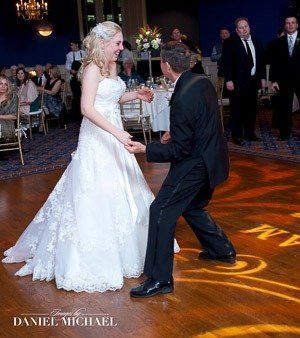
(38, 115)
(134, 120)
(16, 143)
(223, 102)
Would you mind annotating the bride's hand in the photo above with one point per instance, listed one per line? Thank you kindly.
(145, 94)
(123, 136)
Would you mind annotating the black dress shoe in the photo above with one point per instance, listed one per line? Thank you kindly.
(238, 141)
(151, 287)
(230, 258)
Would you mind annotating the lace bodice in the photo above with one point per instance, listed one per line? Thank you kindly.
(107, 104)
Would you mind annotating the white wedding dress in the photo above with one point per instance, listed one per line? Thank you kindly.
(92, 230)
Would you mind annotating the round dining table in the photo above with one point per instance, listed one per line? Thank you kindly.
(159, 110)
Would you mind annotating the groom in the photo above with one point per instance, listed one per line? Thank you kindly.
(199, 162)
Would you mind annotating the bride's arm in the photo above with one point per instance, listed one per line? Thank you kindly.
(144, 94)
(90, 81)
(128, 96)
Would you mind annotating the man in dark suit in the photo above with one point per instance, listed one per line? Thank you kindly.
(285, 74)
(39, 79)
(244, 71)
(199, 162)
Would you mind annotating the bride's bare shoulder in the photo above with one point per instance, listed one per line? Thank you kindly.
(92, 71)
(91, 68)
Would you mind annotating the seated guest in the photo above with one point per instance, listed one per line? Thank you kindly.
(179, 37)
(47, 70)
(129, 73)
(27, 92)
(2, 70)
(126, 52)
(8, 109)
(52, 97)
(13, 77)
(39, 79)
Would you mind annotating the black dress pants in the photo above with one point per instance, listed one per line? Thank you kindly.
(286, 96)
(243, 108)
(76, 93)
(189, 199)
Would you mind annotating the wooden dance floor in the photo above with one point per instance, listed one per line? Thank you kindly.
(258, 297)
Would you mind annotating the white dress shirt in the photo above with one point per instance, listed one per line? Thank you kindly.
(252, 48)
(74, 56)
(293, 36)
(43, 78)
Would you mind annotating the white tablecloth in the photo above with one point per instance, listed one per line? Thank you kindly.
(159, 110)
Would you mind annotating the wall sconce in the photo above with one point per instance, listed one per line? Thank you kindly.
(43, 31)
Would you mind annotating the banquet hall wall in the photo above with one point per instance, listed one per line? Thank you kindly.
(21, 43)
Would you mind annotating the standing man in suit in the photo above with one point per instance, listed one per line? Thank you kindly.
(216, 54)
(285, 74)
(244, 71)
(199, 162)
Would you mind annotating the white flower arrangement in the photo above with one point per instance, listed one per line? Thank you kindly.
(148, 39)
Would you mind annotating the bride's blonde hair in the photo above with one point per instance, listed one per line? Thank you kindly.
(94, 53)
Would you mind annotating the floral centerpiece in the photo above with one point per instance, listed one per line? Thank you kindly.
(149, 39)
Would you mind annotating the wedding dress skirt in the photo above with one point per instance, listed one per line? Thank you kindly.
(92, 230)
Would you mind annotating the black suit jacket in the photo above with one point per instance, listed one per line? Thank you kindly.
(35, 80)
(236, 63)
(196, 131)
(285, 69)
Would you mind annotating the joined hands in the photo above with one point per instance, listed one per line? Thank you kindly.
(123, 137)
(145, 94)
(131, 146)
(135, 147)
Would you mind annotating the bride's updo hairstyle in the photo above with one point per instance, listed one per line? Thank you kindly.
(94, 52)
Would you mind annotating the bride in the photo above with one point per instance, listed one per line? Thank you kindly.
(92, 230)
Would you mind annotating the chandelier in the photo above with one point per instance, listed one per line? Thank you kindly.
(32, 9)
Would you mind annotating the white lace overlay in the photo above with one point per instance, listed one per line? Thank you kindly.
(92, 230)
